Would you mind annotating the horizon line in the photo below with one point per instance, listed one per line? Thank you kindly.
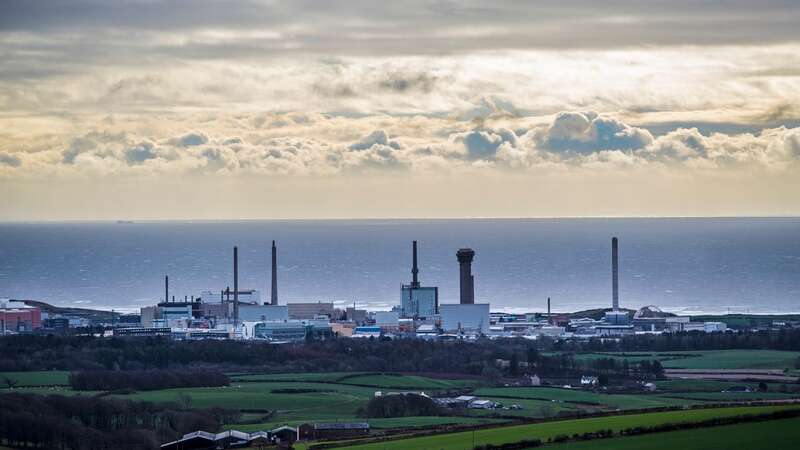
(322, 219)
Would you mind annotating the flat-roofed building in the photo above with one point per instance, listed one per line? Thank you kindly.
(19, 319)
(301, 311)
(387, 319)
(466, 317)
(419, 301)
(255, 313)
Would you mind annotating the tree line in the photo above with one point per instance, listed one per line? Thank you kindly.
(31, 352)
(91, 423)
(145, 380)
(400, 405)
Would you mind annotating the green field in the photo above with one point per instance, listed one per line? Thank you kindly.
(319, 377)
(575, 397)
(773, 434)
(544, 431)
(395, 422)
(711, 359)
(734, 396)
(407, 382)
(687, 385)
(377, 380)
(735, 359)
(40, 378)
(325, 402)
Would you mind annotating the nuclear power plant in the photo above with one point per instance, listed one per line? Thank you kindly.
(240, 313)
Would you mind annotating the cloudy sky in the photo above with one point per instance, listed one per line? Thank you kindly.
(206, 109)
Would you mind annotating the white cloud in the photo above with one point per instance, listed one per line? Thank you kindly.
(587, 132)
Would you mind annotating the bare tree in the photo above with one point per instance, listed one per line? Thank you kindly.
(10, 382)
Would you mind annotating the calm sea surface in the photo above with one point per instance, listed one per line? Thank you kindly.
(680, 265)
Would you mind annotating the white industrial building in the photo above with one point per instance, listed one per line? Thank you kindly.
(468, 318)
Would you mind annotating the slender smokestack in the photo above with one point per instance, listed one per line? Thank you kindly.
(235, 286)
(166, 288)
(464, 257)
(414, 268)
(549, 321)
(274, 297)
(615, 273)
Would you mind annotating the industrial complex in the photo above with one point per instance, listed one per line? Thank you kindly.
(236, 313)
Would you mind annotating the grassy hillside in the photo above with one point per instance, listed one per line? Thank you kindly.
(544, 431)
(774, 434)
(40, 378)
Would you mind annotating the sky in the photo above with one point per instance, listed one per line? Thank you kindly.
(206, 109)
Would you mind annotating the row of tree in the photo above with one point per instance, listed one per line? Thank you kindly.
(400, 405)
(145, 380)
(30, 352)
(90, 423)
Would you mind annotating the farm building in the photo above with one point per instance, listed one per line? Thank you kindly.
(339, 430)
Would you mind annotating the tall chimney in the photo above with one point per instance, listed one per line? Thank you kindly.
(235, 286)
(464, 257)
(615, 273)
(414, 268)
(549, 320)
(274, 297)
(166, 288)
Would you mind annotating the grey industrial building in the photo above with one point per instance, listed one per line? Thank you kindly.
(415, 300)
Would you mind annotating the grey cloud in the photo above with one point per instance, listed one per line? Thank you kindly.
(404, 82)
(140, 153)
(483, 144)
(363, 26)
(77, 146)
(190, 140)
(10, 160)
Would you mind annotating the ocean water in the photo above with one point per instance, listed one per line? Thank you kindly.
(681, 265)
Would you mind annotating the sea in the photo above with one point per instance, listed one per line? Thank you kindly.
(681, 265)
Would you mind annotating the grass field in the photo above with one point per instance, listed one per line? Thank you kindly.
(544, 431)
(751, 436)
(735, 359)
(707, 385)
(326, 401)
(321, 377)
(395, 422)
(40, 378)
(567, 397)
(734, 396)
(711, 359)
(407, 382)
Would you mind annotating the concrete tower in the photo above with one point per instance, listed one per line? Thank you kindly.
(274, 297)
(235, 286)
(414, 268)
(615, 273)
(465, 256)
